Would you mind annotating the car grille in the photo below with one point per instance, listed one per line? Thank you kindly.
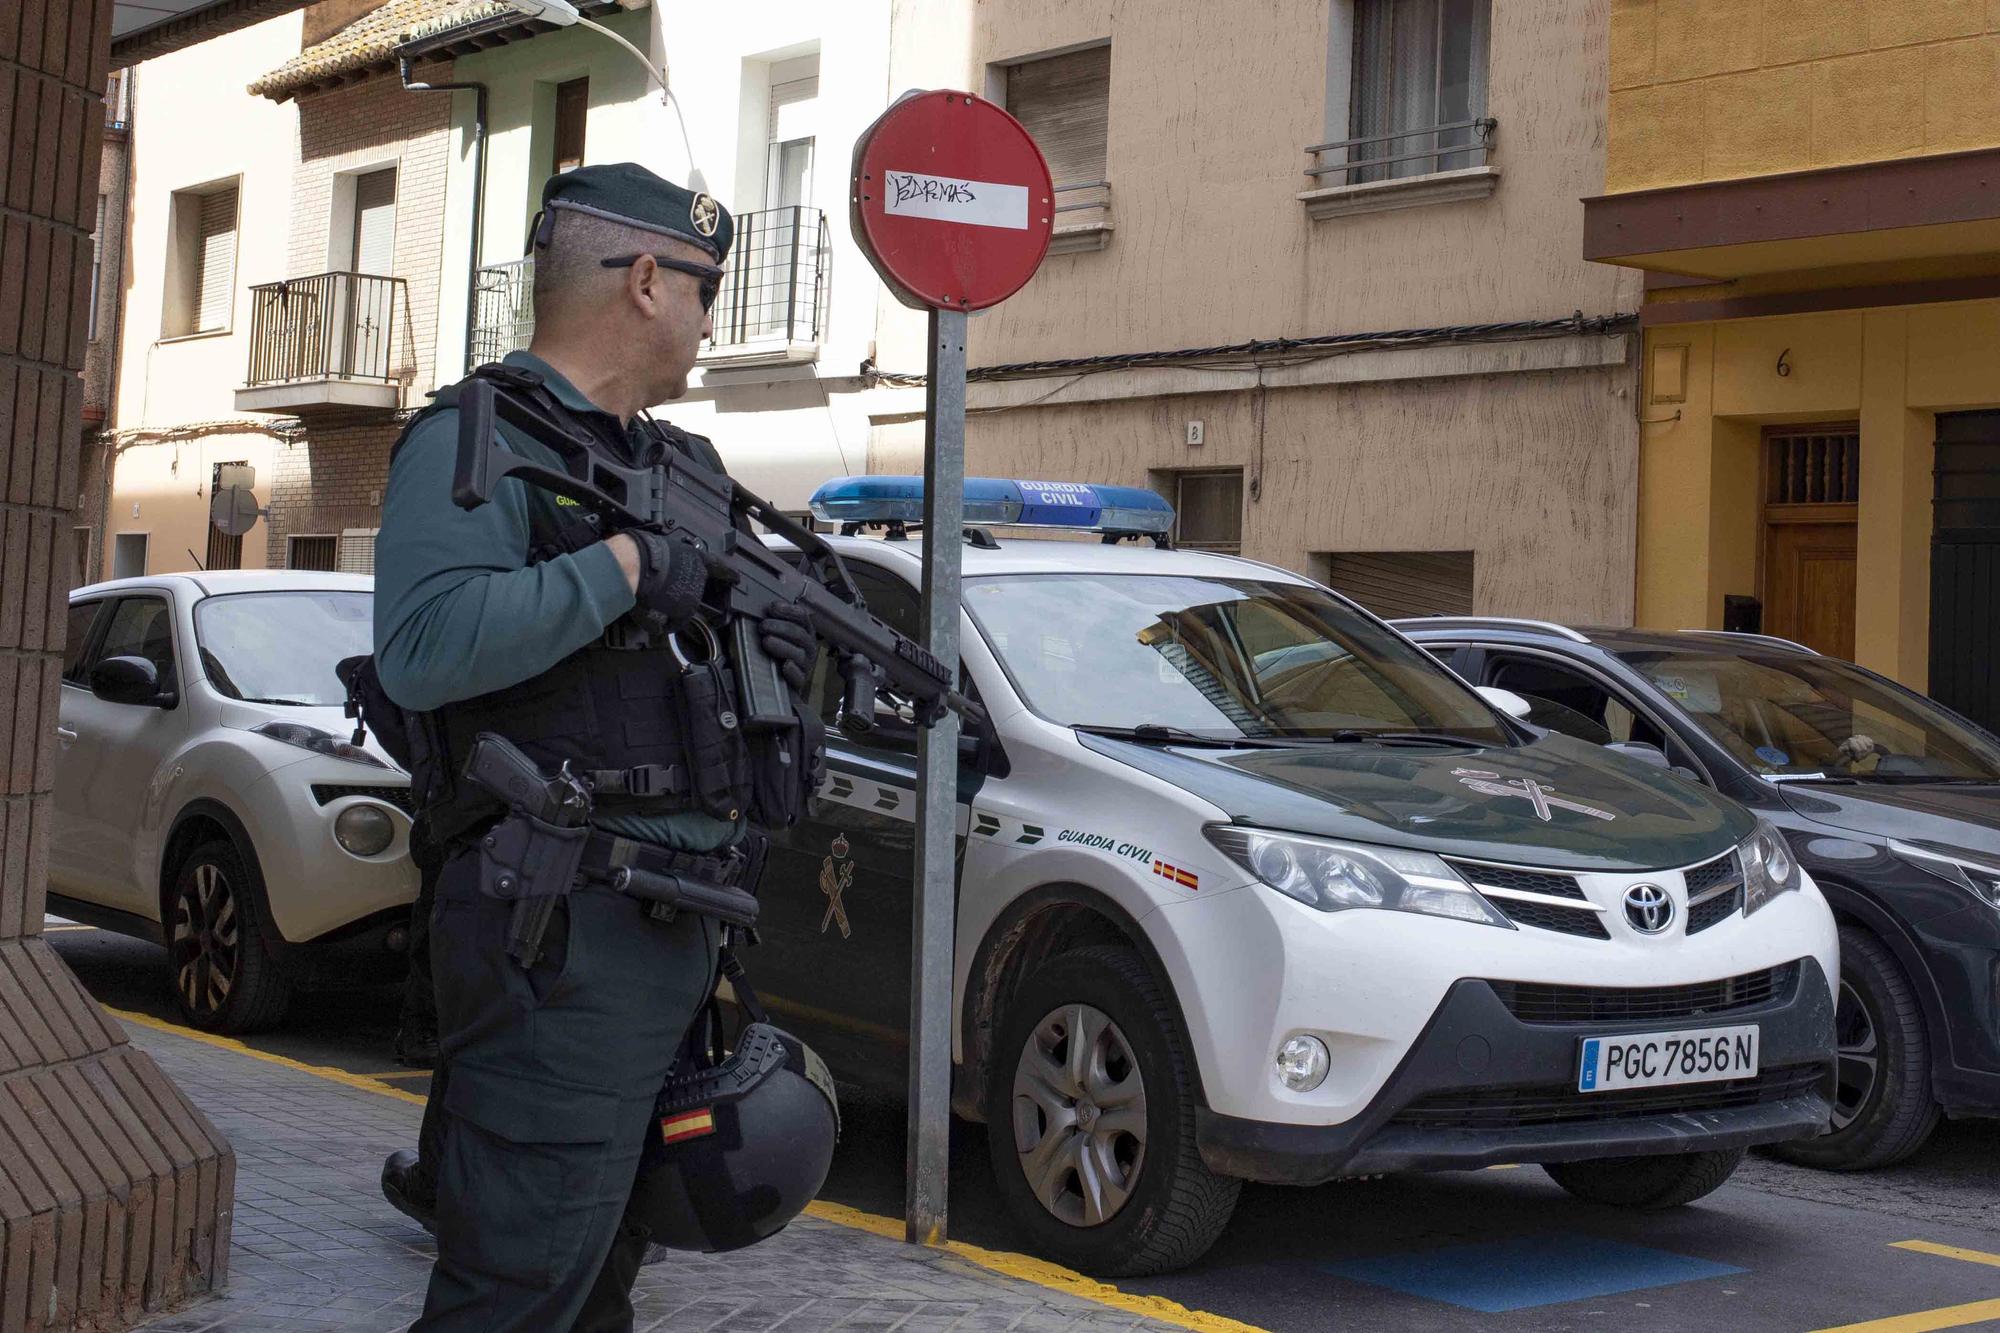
(1532, 1002)
(1705, 877)
(1556, 1103)
(400, 797)
(1719, 908)
(1522, 881)
(1547, 916)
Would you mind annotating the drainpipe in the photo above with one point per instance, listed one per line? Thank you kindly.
(478, 186)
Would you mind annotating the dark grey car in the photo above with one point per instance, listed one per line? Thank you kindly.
(1890, 801)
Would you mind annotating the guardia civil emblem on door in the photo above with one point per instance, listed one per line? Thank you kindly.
(836, 872)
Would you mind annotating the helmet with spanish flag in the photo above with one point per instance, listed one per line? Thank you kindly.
(740, 1147)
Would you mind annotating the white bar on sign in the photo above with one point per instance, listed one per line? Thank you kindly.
(944, 199)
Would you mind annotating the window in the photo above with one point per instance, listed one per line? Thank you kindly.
(1567, 700)
(128, 555)
(118, 100)
(313, 552)
(224, 550)
(373, 250)
(572, 110)
(142, 627)
(201, 262)
(890, 599)
(1417, 65)
(1208, 509)
(788, 133)
(96, 264)
(82, 619)
(1401, 583)
(1065, 103)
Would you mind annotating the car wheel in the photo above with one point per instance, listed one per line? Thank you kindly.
(1882, 1104)
(1090, 1121)
(1646, 1183)
(223, 979)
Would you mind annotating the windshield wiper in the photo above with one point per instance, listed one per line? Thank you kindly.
(1350, 736)
(1157, 733)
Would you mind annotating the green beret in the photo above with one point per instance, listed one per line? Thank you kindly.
(627, 192)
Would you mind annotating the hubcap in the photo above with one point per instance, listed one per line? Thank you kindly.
(203, 947)
(1860, 1062)
(1079, 1115)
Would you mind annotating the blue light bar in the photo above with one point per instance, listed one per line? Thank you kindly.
(1075, 505)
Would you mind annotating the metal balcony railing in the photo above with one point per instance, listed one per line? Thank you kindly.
(775, 289)
(503, 317)
(328, 326)
(1462, 143)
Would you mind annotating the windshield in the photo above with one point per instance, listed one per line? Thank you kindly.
(1787, 714)
(280, 647)
(1217, 657)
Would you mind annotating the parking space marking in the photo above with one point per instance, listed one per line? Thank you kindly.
(1925, 1321)
(1498, 1276)
(1022, 1267)
(1948, 1251)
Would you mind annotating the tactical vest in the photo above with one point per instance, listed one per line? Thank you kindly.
(652, 733)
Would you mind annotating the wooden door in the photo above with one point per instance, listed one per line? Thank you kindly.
(1812, 498)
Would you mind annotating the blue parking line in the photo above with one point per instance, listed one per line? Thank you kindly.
(1499, 1276)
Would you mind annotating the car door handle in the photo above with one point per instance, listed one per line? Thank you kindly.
(65, 734)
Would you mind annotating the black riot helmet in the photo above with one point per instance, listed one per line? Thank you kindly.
(738, 1148)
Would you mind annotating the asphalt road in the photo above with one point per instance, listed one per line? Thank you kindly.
(1778, 1248)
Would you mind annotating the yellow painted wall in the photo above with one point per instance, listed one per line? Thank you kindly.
(1712, 89)
(1893, 369)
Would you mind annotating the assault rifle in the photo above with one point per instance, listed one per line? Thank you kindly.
(747, 579)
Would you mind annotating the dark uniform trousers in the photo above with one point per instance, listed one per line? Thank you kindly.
(553, 1073)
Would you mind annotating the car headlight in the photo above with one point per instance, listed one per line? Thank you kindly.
(364, 830)
(319, 742)
(1976, 873)
(1339, 876)
(1769, 868)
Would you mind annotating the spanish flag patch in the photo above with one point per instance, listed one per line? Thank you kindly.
(687, 1125)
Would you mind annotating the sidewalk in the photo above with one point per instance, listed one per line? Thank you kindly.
(316, 1248)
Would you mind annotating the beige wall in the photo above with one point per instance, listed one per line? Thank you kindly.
(1210, 114)
(1713, 89)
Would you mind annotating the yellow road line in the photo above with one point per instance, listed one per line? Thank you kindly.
(327, 1072)
(1924, 1321)
(1024, 1267)
(1040, 1272)
(1948, 1252)
(50, 930)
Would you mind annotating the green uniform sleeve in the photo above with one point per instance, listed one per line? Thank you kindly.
(459, 611)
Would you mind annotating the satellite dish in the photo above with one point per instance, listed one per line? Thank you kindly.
(233, 509)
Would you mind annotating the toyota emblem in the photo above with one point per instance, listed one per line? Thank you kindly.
(1648, 908)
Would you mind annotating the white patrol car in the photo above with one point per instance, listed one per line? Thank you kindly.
(1252, 888)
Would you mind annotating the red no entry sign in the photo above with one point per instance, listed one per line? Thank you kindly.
(951, 201)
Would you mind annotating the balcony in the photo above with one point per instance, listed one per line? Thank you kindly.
(1436, 164)
(503, 313)
(325, 342)
(1083, 217)
(773, 299)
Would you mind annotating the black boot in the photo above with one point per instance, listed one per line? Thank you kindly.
(416, 1046)
(410, 1189)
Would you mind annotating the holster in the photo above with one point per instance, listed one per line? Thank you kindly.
(532, 864)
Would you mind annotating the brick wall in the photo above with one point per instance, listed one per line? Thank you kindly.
(1714, 89)
(363, 127)
(329, 479)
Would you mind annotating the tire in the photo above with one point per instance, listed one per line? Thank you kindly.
(222, 978)
(1648, 1184)
(1157, 1207)
(1883, 1109)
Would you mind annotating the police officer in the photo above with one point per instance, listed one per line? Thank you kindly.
(518, 618)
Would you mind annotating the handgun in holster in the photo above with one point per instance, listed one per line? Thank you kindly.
(532, 855)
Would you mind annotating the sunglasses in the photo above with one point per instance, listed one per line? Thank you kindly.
(710, 275)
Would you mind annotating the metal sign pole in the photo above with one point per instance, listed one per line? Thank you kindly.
(932, 930)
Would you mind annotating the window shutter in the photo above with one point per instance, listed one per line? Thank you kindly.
(215, 257)
(357, 550)
(1064, 101)
(790, 109)
(375, 223)
(1404, 583)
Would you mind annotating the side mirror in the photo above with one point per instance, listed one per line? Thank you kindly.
(1641, 751)
(129, 680)
(1508, 702)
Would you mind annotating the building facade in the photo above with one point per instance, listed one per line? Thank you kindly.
(1320, 283)
(106, 308)
(1811, 193)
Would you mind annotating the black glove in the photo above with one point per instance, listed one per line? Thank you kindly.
(672, 574)
(788, 637)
